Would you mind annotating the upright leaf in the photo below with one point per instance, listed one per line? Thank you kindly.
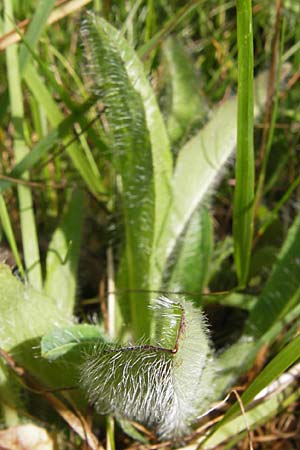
(244, 168)
(188, 105)
(28, 226)
(63, 254)
(192, 258)
(160, 146)
(132, 159)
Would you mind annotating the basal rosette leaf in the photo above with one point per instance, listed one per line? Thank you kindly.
(132, 159)
(164, 388)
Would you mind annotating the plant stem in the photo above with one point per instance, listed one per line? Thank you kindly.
(244, 170)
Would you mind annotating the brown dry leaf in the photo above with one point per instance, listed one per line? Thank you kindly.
(25, 437)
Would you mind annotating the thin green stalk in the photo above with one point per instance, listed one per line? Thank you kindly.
(111, 328)
(278, 206)
(270, 126)
(244, 170)
(7, 227)
(28, 226)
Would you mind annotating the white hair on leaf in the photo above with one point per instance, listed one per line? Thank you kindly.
(160, 387)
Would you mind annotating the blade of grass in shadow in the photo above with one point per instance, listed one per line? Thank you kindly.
(281, 292)
(244, 168)
(62, 256)
(8, 230)
(157, 39)
(28, 227)
(81, 161)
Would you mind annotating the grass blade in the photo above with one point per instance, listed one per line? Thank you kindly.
(35, 30)
(281, 291)
(55, 116)
(244, 171)
(7, 227)
(28, 227)
(281, 362)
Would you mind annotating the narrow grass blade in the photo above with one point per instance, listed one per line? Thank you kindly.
(28, 227)
(55, 116)
(237, 428)
(7, 227)
(183, 12)
(244, 169)
(281, 362)
(62, 256)
(35, 29)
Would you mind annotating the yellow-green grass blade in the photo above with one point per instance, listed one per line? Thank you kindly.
(52, 140)
(55, 116)
(244, 168)
(28, 227)
(35, 30)
(9, 233)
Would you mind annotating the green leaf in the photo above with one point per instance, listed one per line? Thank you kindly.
(188, 106)
(62, 256)
(281, 362)
(199, 165)
(39, 90)
(60, 341)
(235, 429)
(46, 144)
(192, 260)
(25, 315)
(244, 166)
(7, 227)
(35, 29)
(164, 387)
(28, 226)
(160, 146)
(132, 159)
(281, 292)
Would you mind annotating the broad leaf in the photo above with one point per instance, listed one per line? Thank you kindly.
(60, 341)
(192, 258)
(62, 256)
